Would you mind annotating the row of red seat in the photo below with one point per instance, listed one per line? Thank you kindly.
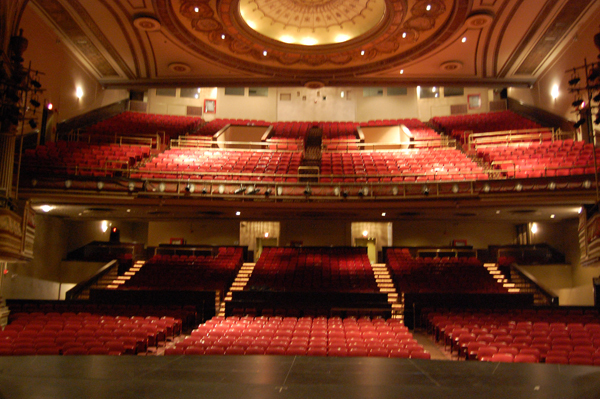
(456, 125)
(222, 164)
(304, 336)
(188, 274)
(553, 336)
(557, 158)
(54, 334)
(461, 275)
(415, 165)
(313, 270)
(75, 158)
(142, 124)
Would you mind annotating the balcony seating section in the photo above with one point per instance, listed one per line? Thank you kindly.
(85, 333)
(188, 272)
(567, 336)
(78, 158)
(399, 166)
(440, 275)
(204, 164)
(313, 270)
(305, 336)
(141, 124)
(457, 125)
(548, 158)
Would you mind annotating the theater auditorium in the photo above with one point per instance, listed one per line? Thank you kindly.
(345, 199)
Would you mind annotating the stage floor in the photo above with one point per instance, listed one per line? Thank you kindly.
(263, 377)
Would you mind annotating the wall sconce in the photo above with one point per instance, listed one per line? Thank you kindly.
(79, 92)
(554, 92)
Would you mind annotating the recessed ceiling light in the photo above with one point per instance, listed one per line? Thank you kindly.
(552, 216)
(464, 39)
(401, 71)
(265, 53)
(428, 8)
(128, 210)
(238, 213)
(196, 9)
(498, 212)
(383, 214)
(362, 52)
(223, 36)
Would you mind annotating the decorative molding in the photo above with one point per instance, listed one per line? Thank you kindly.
(216, 32)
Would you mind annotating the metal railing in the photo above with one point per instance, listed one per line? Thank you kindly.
(510, 137)
(74, 292)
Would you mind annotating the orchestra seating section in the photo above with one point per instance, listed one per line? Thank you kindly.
(301, 336)
(142, 124)
(440, 275)
(399, 166)
(210, 164)
(550, 335)
(457, 126)
(78, 158)
(188, 272)
(342, 269)
(83, 333)
(541, 159)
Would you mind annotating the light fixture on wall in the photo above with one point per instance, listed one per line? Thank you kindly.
(554, 92)
(104, 226)
(365, 233)
(46, 208)
(79, 92)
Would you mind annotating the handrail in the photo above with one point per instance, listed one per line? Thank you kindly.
(74, 292)
(550, 296)
(209, 144)
(355, 146)
(476, 140)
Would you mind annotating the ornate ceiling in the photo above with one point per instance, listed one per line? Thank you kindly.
(152, 43)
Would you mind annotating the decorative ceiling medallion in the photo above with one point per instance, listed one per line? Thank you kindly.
(147, 24)
(216, 31)
(451, 66)
(179, 67)
(312, 22)
(314, 84)
(479, 20)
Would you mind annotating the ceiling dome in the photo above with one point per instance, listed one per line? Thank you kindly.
(312, 22)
